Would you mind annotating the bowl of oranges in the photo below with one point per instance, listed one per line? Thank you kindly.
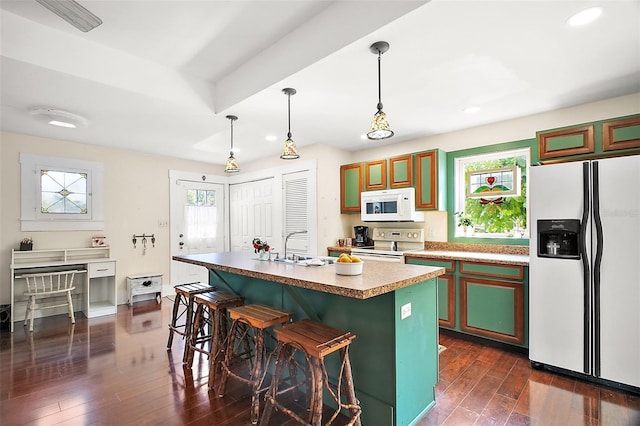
(348, 264)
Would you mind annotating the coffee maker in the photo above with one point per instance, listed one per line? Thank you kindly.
(361, 233)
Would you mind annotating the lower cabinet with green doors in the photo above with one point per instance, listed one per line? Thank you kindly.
(487, 300)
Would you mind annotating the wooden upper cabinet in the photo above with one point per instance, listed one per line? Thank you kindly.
(431, 180)
(401, 171)
(375, 175)
(351, 183)
(565, 142)
(621, 134)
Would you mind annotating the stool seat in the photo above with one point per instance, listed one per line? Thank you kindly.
(259, 316)
(316, 339)
(184, 297)
(250, 321)
(193, 288)
(218, 299)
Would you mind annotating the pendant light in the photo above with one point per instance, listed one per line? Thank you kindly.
(379, 126)
(289, 151)
(232, 164)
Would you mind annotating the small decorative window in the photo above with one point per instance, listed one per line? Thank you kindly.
(61, 194)
(501, 182)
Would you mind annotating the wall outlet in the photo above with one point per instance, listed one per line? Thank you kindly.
(163, 223)
(405, 311)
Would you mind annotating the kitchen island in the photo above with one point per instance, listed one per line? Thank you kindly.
(392, 309)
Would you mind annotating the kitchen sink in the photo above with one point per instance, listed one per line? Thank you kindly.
(308, 260)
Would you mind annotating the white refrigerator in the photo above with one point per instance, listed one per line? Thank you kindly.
(585, 309)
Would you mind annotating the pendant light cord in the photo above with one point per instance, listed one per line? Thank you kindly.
(231, 152)
(379, 84)
(289, 114)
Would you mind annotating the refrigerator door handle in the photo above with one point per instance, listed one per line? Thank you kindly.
(586, 270)
(596, 267)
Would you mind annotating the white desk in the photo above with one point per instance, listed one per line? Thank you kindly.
(99, 289)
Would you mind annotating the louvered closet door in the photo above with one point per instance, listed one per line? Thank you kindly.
(296, 215)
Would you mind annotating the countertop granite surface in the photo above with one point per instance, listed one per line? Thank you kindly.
(496, 258)
(487, 253)
(377, 277)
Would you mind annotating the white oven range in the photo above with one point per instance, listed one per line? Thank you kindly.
(390, 244)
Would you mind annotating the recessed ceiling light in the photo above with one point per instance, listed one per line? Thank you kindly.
(271, 138)
(62, 124)
(585, 16)
(59, 118)
(471, 110)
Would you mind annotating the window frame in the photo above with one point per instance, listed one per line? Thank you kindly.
(459, 191)
(32, 218)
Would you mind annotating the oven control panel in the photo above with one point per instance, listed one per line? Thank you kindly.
(399, 235)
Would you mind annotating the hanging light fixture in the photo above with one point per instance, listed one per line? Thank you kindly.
(379, 126)
(289, 151)
(232, 164)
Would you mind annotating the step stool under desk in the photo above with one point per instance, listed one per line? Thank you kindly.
(98, 289)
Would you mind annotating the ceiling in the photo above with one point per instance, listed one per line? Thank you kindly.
(160, 76)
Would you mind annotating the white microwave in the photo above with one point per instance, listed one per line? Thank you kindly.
(390, 205)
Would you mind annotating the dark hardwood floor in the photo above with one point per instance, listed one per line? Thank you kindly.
(104, 372)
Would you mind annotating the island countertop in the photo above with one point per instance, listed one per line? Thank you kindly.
(377, 277)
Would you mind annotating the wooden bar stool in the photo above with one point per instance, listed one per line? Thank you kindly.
(316, 341)
(210, 326)
(249, 325)
(184, 299)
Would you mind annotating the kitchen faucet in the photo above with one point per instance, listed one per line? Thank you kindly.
(287, 239)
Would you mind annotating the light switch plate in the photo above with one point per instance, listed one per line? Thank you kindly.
(405, 311)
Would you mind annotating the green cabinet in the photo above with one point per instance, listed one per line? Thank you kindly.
(375, 175)
(446, 288)
(621, 134)
(493, 306)
(591, 140)
(482, 299)
(351, 180)
(431, 184)
(401, 171)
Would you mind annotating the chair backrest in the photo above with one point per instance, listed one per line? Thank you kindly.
(49, 282)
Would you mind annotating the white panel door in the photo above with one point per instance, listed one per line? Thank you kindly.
(251, 213)
(556, 292)
(197, 225)
(620, 271)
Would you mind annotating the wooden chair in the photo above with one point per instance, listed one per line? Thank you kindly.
(49, 286)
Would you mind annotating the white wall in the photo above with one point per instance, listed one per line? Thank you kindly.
(136, 198)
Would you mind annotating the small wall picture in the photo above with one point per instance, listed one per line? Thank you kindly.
(98, 241)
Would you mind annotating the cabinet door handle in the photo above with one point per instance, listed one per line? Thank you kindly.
(103, 269)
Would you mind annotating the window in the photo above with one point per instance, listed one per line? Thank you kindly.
(491, 195)
(61, 194)
(201, 216)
